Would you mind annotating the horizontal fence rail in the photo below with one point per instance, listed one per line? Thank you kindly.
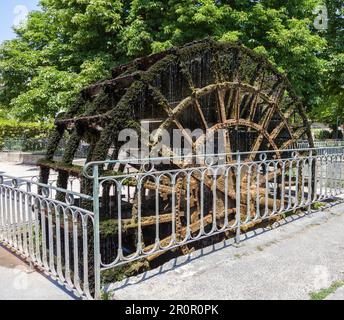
(52, 234)
(169, 209)
(304, 144)
(139, 210)
(39, 145)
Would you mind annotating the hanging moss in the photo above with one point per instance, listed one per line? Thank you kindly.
(74, 170)
(114, 104)
(117, 101)
(109, 227)
(105, 108)
(54, 140)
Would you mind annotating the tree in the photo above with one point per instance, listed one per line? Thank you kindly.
(72, 43)
(335, 32)
(331, 105)
(66, 46)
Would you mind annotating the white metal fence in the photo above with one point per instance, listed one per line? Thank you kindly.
(304, 144)
(230, 197)
(163, 203)
(51, 234)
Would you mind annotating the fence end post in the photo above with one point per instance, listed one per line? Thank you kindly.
(97, 285)
(237, 195)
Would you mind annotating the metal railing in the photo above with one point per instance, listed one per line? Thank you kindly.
(34, 145)
(51, 234)
(301, 144)
(39, 146)
(230, 197)
(166, 203)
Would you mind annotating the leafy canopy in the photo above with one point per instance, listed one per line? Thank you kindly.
(72, 43)
(331, 105)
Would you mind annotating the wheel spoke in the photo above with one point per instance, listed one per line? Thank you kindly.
(297, 135)
(201, 114)
(221, 104)
(235, 104)
(284, 123)
(185, 134)
(264, 124)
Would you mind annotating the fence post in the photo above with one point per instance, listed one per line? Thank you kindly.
(96, 235)
(237, 197)
(310, 182)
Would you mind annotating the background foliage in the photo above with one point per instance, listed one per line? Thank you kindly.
(331, 106)
(72, 43)
(13, 129)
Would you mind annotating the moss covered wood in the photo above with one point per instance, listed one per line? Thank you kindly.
(205, 84)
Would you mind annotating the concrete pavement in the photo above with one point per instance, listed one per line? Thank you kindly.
(18, 170)
(288, 262)
(338, 295)
(18, 282)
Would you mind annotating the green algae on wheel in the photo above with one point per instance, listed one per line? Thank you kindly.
(207, 85)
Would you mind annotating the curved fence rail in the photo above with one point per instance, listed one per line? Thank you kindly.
(51, 234)
(229, 197)
(148, 210)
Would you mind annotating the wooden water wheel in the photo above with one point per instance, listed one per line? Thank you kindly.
(216, 87)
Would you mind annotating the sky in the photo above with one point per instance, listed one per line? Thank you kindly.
(11, 12)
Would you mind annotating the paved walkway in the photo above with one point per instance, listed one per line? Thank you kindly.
(338, 295)
(289, 262)
(18, 282)
(18, 170)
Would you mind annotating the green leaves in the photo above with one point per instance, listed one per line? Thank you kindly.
(17, 129)
(330, 102)
(53, 90)
(67, 46)
(73, 43)
(331, 105)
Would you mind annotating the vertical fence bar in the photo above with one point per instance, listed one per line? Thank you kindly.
(237, 195)
(27, 218)
(310, 182)
(96, 232)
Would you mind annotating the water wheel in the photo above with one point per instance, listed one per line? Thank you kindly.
(221, 88)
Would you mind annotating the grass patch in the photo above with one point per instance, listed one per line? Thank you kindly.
(105, 295)
(288, 213)
(318, 205)
(323, 293)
